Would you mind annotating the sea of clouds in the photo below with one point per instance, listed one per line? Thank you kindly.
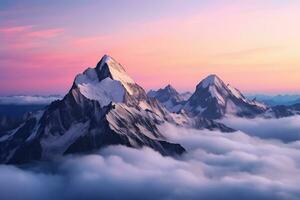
(218, 166)
(285, 129)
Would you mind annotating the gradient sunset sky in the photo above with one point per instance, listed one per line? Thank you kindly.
(252, 44)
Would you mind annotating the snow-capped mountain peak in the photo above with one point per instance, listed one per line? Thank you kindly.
(169, 97)
(214, 99)
(211, 80)
(170, 88)
(108, 82)
(108, 67)
(105, 59)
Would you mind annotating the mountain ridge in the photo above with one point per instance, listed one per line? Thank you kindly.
(103, 107)
(212, 99)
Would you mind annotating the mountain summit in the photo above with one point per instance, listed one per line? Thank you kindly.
(213, 80)
(214, 99)
(103, 107)
(109, 82)
(169, 97)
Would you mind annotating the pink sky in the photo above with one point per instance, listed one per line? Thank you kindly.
(252, 45)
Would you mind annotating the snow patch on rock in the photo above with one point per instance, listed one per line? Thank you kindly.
(104, 92)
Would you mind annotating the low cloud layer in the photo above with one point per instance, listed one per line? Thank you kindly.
(27, 100)
(217, 166)
(284, 129)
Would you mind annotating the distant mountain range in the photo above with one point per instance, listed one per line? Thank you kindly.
(106, 107)
(170, 98)
(14, 109)
(213, 99)
(276, 100)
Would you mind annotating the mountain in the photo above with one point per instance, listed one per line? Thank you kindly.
(11, 116)
(186, 95)
(15, 109)
(213, 99)
(279, 106)
(169, 97)
(297, 101)
(277, 100)
(283, 111)
(103, 107)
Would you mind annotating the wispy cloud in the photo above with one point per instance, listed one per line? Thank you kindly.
(46, 34)
(250, 52)
(15, 29)
(89, 41)
(31, 31)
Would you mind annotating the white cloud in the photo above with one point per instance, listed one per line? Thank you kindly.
(285, 129)
(217, 166)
